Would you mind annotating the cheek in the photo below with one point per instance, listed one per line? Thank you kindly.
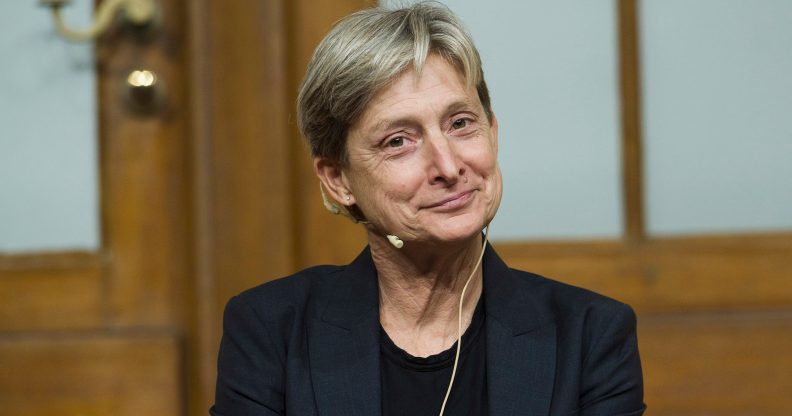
(386, 188)
(483, 160)
(400, 191)
(401, 179)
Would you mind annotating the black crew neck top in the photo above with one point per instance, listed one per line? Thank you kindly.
(416, 386)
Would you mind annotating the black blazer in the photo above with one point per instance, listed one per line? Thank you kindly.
(309, 345)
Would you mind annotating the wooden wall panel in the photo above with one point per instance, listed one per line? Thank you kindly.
(631, 120)
(714, 314)
(144, 172)
(51, 292)
(724, 364)
(90, 374)
(240, 149)
(63, 345)
(248, 148)
(671, 274)
(321, 238)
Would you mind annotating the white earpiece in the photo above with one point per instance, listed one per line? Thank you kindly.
(396, 241)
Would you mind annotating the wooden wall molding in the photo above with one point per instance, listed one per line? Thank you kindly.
(670, 274)
(717, 363)
(105, 374)
(51, 261)
(54, 291)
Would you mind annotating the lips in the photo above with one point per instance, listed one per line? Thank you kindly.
(455, 201)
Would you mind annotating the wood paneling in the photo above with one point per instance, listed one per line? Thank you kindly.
(64, 345)
(202, 326)
(714, 314)
(670, 274)
(144, 175)
(717, 364)
(249, 188)
(732, 360)
(320, 237)
(241, 164)
(51, 291)
(631, 119)
(90, 374)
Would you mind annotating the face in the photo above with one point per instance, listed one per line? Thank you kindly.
(422, 159)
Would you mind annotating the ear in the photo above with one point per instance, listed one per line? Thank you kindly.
(332, 177)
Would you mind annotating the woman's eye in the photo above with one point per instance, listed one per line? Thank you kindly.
(396, 142)
(460, 123)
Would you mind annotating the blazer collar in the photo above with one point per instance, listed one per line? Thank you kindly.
(521, 343)
(508, 298)
(353, 295)
(344, 342)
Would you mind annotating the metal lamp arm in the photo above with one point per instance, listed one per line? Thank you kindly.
(138, 12)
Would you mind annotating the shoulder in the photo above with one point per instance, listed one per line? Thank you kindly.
(597, 347)
(263, 331)
(284, 298)
(564, 296)
(527, 299)
(577, 309)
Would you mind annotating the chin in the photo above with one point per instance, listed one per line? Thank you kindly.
(455, 231)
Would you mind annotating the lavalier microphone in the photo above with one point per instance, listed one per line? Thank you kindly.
(395, 241)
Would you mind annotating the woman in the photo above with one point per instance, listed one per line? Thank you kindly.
(398, 118)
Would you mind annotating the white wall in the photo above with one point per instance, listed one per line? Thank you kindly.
(48, 151)
(718, 115)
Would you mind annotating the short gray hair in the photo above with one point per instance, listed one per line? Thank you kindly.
(366, 50)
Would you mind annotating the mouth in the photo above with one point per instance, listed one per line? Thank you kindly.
(453, 202)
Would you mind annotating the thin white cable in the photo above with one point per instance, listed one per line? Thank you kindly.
(459, 321)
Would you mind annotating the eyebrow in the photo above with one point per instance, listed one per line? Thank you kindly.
(388, 124)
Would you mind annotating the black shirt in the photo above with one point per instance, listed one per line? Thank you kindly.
(415, 386)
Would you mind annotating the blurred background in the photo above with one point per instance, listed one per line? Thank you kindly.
(149, 174)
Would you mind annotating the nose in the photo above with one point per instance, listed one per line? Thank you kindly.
(445, 165)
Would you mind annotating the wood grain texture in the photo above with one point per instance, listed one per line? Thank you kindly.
(670, 274)
(90, 374)
(631, 121)
(249, 158)
(202, 324)
(321, 237)
(242, 189)
(144, 176)
(725, 364)
(55, 291)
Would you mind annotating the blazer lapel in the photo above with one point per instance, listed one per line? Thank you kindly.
(521, 344)
(343, 342)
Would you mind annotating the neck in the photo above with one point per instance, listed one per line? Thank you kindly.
(419, 290)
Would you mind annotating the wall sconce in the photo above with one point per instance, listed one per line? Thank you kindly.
(139, 13)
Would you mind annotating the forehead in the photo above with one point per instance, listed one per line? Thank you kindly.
(438, 87)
